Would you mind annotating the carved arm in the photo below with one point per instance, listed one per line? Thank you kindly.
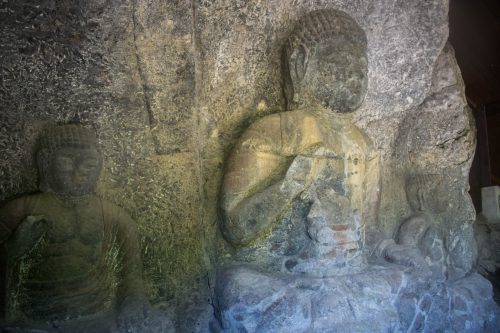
(256, 189)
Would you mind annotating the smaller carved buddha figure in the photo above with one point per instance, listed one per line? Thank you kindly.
(73, 258)
(293, 194)
(417, 242)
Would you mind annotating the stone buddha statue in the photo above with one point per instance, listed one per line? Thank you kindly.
(73, 258)
(293, 194)
(418, 242)
(296, 198)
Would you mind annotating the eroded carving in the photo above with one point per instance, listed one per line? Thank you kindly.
(73, 258)
(418, 243)
(295, 198)
(301, 173)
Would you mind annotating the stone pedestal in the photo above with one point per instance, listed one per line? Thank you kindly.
(386, 298)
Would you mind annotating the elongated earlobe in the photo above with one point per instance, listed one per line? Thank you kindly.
(301, 57)
(297, 65)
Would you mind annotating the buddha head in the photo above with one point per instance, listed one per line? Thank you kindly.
(324, 62)
(69, 161)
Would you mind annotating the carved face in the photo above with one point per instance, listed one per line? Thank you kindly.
(428, 194)
(333, 75)
(74, 171)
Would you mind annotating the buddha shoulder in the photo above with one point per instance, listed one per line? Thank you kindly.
(284, 133)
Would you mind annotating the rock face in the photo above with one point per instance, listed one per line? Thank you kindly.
(382, 299)
(125, 69)
(296, 201)
(170, 88)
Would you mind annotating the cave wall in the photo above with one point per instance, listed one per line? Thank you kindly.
(169, 86)
(126, 69)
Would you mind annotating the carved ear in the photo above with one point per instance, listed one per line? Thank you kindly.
(300, 57)
(421, 196)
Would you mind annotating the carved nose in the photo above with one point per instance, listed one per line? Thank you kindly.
(78, 177)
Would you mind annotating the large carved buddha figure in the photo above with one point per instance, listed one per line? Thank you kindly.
(293, 193)
(73, 258)
(299, 191)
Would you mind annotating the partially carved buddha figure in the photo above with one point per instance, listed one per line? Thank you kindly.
(73, 258)
(418, 243)
(293, 194)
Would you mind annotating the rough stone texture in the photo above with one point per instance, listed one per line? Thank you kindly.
(412, 80)
(404, 41)
(125, 68)
(436, 137)
(319, 166)
(163, 38)
(421, 132)
(382, 299)
(487, 236)
(169, 86)
(73, 258)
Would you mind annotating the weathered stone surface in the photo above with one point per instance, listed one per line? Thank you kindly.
(163, 41)
(72, 257)
(425, 138)
(313, 156)
(382, 299)
(487, 236)
(324, 183)
(418, 241)
(432, 236)
(125, 68)
(171, 86)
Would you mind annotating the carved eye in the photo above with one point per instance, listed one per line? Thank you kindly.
(64, 163)
(89, 165)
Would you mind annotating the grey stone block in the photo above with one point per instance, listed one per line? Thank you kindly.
(490, 197)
